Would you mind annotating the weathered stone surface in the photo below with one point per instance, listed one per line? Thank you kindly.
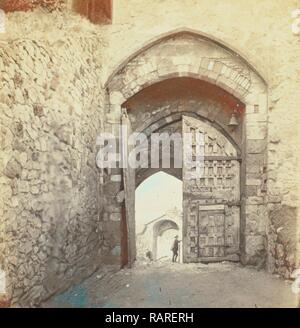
(52, 107)
(13, 169)
(48, 165)
(283, 239)
(256, 146)
(255, 249)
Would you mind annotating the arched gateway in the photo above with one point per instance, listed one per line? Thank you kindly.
(186, 82)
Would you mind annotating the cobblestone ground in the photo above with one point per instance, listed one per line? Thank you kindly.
(178, 285)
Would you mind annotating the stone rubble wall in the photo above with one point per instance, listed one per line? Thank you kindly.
(53, 67)
(51, 104)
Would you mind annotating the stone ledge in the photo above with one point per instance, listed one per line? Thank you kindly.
(253, 182)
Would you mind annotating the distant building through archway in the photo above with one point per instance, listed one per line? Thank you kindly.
(158, 216)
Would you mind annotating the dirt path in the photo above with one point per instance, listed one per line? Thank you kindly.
(179, 285)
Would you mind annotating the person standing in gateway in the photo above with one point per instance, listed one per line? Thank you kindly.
(175, 249)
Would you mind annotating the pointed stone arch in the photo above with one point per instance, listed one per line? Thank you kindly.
(209, 60)
(188, 31)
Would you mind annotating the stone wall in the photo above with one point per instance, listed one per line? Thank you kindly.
(51, 107)
(53, 67)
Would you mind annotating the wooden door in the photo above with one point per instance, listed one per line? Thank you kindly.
(211, 195)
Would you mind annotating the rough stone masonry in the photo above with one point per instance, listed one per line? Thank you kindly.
(64, 80)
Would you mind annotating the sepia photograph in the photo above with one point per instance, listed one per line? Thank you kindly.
(149, 156)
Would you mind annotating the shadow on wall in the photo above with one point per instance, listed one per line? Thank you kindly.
(98, 12)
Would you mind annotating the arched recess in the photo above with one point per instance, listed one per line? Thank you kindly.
(162, 125)
(188, 54)
(184, 31)
(158, 208)
(185, 53)
(159, 229)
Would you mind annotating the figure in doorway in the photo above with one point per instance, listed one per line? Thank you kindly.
(149, 255)
(175, 249)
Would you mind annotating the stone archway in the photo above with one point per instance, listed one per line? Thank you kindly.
(188, 55)
(215, 195)
(158, 209)
(159, 229)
